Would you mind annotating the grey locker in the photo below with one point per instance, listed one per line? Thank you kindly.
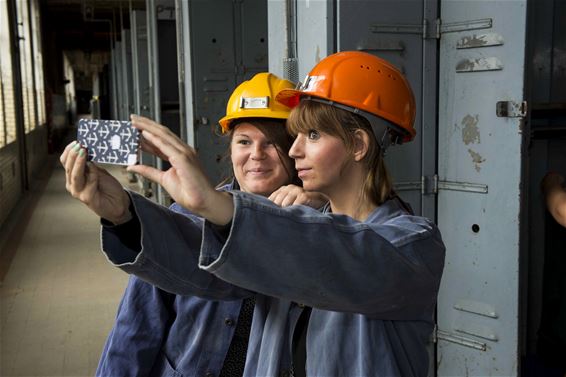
(222, 57)
(398, 32)
(482, 49)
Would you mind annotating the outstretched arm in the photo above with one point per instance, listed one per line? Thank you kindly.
(553, 190)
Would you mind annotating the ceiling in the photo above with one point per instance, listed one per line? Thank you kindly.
(87, 25)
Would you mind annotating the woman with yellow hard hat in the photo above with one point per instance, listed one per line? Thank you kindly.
(368, 268)
(158, 333)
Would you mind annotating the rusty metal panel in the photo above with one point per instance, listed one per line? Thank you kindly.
(478, 307)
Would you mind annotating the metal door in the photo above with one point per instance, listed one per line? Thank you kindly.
(224, 55)
(481, 73)
(402, 33)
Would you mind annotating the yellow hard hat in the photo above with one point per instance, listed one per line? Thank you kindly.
(255, 98)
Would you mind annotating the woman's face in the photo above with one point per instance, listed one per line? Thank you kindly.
(256, 163)
(320, 160)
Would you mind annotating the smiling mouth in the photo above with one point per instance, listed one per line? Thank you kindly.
(258, 171)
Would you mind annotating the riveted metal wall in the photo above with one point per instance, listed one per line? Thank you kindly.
(482, 49)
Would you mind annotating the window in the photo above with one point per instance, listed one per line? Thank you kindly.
(8, 112)
(38, 63)
(26, 65)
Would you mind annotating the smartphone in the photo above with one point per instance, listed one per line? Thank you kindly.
(109, 141)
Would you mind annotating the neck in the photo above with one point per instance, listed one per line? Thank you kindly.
(347, 198)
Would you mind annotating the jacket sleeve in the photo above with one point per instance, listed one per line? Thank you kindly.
(167, 252)
(141, 326)
(389, 270)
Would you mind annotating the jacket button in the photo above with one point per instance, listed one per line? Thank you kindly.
(229, 322)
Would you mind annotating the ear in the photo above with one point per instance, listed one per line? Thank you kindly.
(361, 144)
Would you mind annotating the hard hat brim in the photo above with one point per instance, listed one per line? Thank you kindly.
(289, 97)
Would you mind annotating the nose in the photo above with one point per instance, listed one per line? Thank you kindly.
(258, 152)
(297, 149)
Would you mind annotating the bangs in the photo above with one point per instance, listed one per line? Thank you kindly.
(321, 117)
(310, 115)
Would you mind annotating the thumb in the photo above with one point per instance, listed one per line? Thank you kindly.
(148, 172)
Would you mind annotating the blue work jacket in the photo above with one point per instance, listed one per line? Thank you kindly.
(157, 333)
(372, 284)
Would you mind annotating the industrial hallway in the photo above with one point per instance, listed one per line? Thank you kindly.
(59, 294)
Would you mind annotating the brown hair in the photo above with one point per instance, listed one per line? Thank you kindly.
(274, 130)
(310, 115)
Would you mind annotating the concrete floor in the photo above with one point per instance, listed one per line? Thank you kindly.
(59, 295)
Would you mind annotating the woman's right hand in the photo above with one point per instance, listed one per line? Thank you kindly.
(292, 195)
(94, 186)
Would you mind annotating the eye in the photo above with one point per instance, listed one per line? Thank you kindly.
(313, 135)
(243, 142)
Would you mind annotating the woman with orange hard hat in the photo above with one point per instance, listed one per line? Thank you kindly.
(346, 291)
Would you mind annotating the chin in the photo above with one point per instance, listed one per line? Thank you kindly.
(260, 190)
(313, 186)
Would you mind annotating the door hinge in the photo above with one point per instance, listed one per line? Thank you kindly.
(439, 27)
(427, 185)
(511, 109)
(419, 29)
(431, 184)
(453, 27)
(435, 334)
(458, 339)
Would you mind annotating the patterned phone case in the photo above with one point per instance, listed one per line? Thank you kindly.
(109, 141)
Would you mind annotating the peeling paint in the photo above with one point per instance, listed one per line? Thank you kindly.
(479, 65)
(477, 159)
(480, 40)
(317, 54)
(470, 132)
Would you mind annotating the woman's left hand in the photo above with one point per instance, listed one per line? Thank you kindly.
(185, 180)
(293, 195)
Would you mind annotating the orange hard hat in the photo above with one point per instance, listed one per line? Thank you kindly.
(364, 84)
(254, 98)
